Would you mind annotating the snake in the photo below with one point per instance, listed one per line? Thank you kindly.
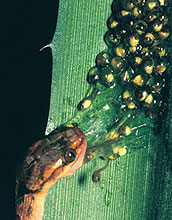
(56, 156)
(136, 62)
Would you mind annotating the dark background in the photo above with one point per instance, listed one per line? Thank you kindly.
(25, 83)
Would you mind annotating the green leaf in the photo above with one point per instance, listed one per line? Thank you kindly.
(136, 186)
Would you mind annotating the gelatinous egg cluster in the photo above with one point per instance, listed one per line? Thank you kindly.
(136, 58)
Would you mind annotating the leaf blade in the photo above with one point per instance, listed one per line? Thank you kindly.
(130, 180)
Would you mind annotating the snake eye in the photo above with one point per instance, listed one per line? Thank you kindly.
(70, 155)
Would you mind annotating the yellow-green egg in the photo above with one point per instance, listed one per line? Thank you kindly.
(157, 26)
(102, 59)
(160, 50)
(163, 2)
(117, 64)
(146, 52)
(152, 4)
(136, 12)
(131, 105)
(111, 39)
(112, 22)
(134, 40)
(138, 60)
(160, 69)
(93, 75)
(120, 51)
(148, 67)
(86, 103)
(126, 76)
(164, 33)
(127, 131)
(121, 151)
(113, 135)
(133, 49)
(149, 99)
(140, 26)
(124, 13)
(138, 80)
(141, 94)
(150, 16)
(126, 95)
(149, 38)
(110, 78)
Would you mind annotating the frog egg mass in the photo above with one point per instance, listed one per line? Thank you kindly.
(137, 53)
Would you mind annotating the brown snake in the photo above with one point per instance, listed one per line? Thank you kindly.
(57, 155)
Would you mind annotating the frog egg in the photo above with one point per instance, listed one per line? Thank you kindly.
(136, 50)
(128, 22)
(164, 33)
(152, 5)
(120, 32)
(121, 151)
(115, 7)
(111, 39)
(134, 39)
(148, 66)
(152, 104)
(164, 17)
(149, 99)
(133, 49)
(127, 131)
(138, 80)
(84, 104)
(163, 3)
(106, 76)
(124, 13)
(149, 39)
(93, 75)
(129, 100)
(112, 157)
(160, 50)
(137, 12)
(128, 5)
(160, 66)
(156, 83)
(102, 59)
(109, 78)
(131, 105)
(135, 61)
(157, 26)
(112, 22)
(126, 76)
(126, 95)
(140, 27)
(150, 16)
(117, 64)
(141, 94)
(113, 135)
(120, 51)
(160, 69)
(146, 53)
(121, 14)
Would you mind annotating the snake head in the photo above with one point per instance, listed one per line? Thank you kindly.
(58, 155)
(74, 155)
